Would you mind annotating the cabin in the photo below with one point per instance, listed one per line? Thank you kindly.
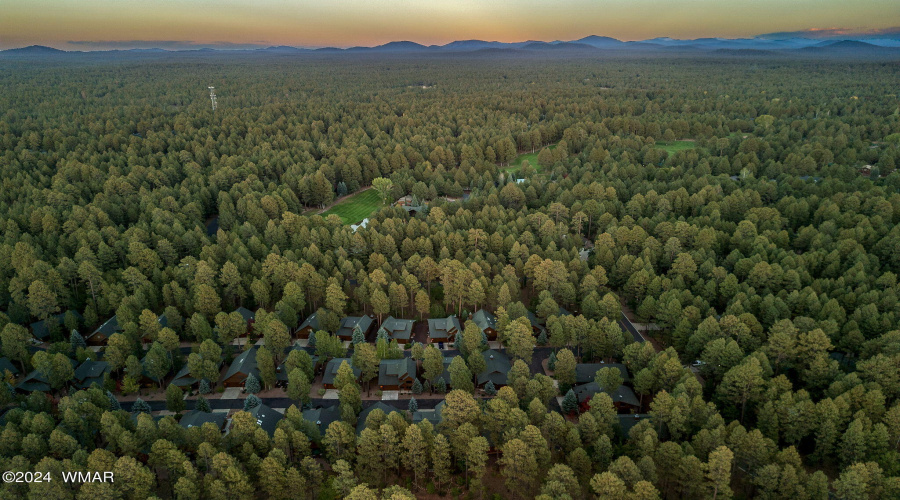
(243, 366)
(90, 373)
(281, 372)
(487, 322)
(396, 374)
(586, 372)
(398, 329)
(266, 418)
(623, 397)
(536, 325)
(443, 329)
(7, 366)
(36, 381)
(249, 317)
(41, 329)
(331, 370)
(104, 332)
(626, 422)
(350, 323)
(309, 326)
(196, 418)
(498, 366)
(446, 374)
(433, 416)
(323, 417)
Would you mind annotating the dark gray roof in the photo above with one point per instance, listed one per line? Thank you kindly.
(39, 328)
(434, 416)
(484, 319)
(196, 418)
(351, 322)
(266, 418)
(312, 321)
(323, 417)
(90, 373)
(183, 378)
(7, 365)
(626, 422)
(245, 363)
(110, 327)
(331, 369)
(498, 366)
(586, 372)
(623, 394)
(440, 328)
(245, 313)
(163, 321)
(400, 329)
(393, 371)
(36, 381)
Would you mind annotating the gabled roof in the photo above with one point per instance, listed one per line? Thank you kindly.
(7, 365)
(281, 372)
(484, 319)
(350, 322)
(90, 373)
(586, 372)
(245, 313)
(331, 370)
(361, 419)
(36, 381)
(266, 418)
(626, 422)
(196, 418)
(434, 416)
(39, 328)
(323, 417)
(441, 328)
(106, 329)
(163, 321)
(498, 366)
(400, 329)
(244, 364)
(312, 322)
(623, 394)
(393, 371)
(535, 321)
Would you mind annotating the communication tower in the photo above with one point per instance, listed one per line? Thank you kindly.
(212, 97)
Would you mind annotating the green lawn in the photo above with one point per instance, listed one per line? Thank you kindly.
(357, 207)
(675, 146)
(531, 157)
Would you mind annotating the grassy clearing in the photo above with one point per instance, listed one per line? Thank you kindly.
(530, 157)
(357, 207)
(675, 146)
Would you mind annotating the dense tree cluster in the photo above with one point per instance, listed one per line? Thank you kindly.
(763, 257)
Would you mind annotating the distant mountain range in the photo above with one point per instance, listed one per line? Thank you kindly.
(593, 43)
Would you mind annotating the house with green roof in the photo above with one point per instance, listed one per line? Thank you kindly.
(309, 326)
(104, 332)
(497, 367)
(241, 368)
(196, 418)
(487, 322)
(331, 370)
(89, 373)
(350, 323)
(7, 366)
(323, 417)
(624, 399)
(433, 416)
(586, 372)
(396, 374)
(363, 415)
(398, 329)
(266, 417)
(41, 329)
(443, 329)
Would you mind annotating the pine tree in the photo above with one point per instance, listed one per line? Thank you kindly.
(542, 338)
(204, 387)
(358, 337)
(251, 386)
(413, 406)
(440, 459)
(140, 406)
(113, 402)
(174, 399)
(570, 402)
(251, 402)
(551, 361)
(489, 388)
(77, 341)
(417, 387)
(440, 386)
(203, 405)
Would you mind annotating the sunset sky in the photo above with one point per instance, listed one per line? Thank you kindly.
(107, 24)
